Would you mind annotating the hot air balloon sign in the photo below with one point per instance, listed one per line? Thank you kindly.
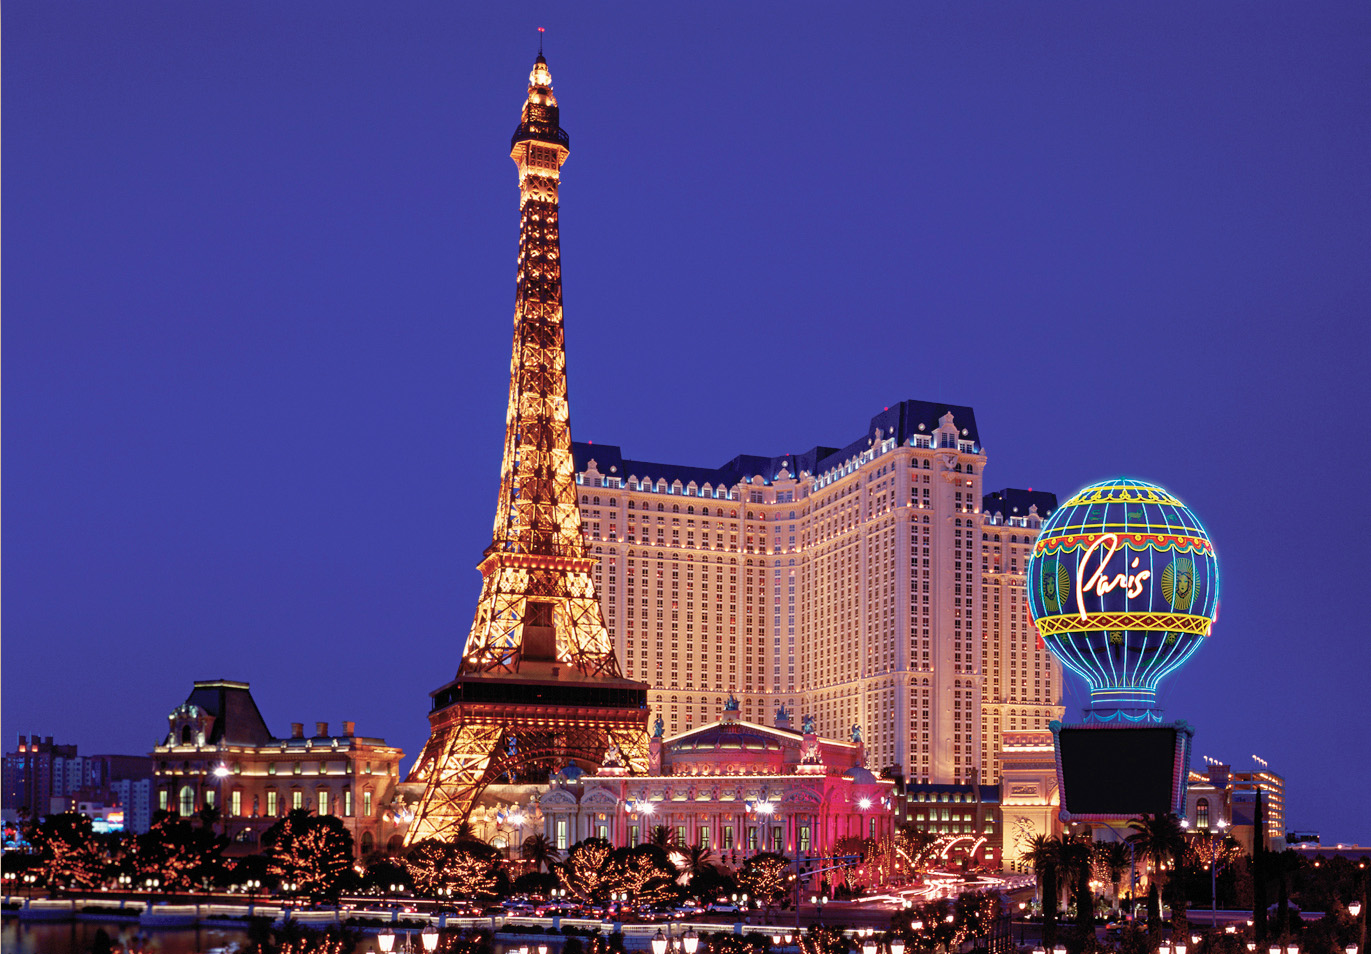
(1123, 586)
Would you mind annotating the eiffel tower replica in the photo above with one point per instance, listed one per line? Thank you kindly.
(539, 686)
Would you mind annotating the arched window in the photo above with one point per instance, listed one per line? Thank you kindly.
(368, 843)
(185, 735)
(186, 801)
(1202, 813)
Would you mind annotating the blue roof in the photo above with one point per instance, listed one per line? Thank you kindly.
(900, 421)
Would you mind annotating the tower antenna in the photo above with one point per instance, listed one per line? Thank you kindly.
(540, 41)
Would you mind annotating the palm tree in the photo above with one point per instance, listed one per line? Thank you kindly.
(1159, 839)
(696, 860)
(1111, 859)
(1044, 854)
(663, 837)
(539, 850)
(1075, 857)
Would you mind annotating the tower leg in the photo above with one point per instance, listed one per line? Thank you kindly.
(454, 768)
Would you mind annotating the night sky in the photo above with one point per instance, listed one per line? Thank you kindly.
(258, 286)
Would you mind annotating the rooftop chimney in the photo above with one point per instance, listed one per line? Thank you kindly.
(297, 730)
(349, 729)
(321, 730)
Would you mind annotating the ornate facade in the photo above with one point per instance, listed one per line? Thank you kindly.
(873, 584)
(218, 753)
(734, 786)
(539, 685)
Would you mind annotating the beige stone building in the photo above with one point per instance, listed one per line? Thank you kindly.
(218, 753)
(866, 585)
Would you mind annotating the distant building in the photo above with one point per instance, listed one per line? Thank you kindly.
(218, 753)
(733, 786)
(41, 779)
(1219, 794)
(967, 817)
(33, 773)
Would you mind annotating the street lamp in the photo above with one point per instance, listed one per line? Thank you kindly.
(869, 945)
(1022, 924)
(29, 879)
(1214, 873)
(386, 940)
(819, 901)
(691, 941)
(429, 936)
(659, 943)
(897, 945)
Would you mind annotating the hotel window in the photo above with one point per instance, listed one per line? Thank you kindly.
(162, 797)
(271, 803)
(632, 829)
(236, 803)
(602, 831)
(1202, 813)
(561, 834)
(704, 836)
(297, 799)
(347, 802)
(728, 837)
(187, 801)
(271, 768)
(366, 804)
(752, 839)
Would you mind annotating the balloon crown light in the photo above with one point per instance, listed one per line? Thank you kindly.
(1123, 587)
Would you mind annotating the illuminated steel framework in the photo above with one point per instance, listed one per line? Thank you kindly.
(539, 685)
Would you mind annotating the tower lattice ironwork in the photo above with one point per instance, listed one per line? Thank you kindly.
(539, 686)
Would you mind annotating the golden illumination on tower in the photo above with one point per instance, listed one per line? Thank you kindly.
(539, 685)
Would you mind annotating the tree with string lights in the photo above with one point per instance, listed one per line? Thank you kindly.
(311, 851)
(587, 872)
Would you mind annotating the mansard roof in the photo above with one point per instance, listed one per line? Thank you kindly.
(1012, 502)
(237, 720)
(901, 421)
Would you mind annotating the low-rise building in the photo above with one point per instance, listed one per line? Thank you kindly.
(219, 753)
(733, 786)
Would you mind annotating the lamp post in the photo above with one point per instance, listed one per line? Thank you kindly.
(1022, 906)
(1354, 909)
(1214, 873)
(221, 772)
(819, 901)
(252, 884)
(29, 879)
(429, 937)
(659, 942)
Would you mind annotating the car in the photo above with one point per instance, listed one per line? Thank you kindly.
(722, 907)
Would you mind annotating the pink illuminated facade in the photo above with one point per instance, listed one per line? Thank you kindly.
(734, 786)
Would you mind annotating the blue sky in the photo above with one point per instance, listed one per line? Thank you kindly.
(259, 271)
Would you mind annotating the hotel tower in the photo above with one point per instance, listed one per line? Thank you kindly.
(876, 586)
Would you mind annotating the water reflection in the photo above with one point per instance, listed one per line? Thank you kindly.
(77, 937)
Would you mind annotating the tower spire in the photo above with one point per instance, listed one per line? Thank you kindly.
(539, 685)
